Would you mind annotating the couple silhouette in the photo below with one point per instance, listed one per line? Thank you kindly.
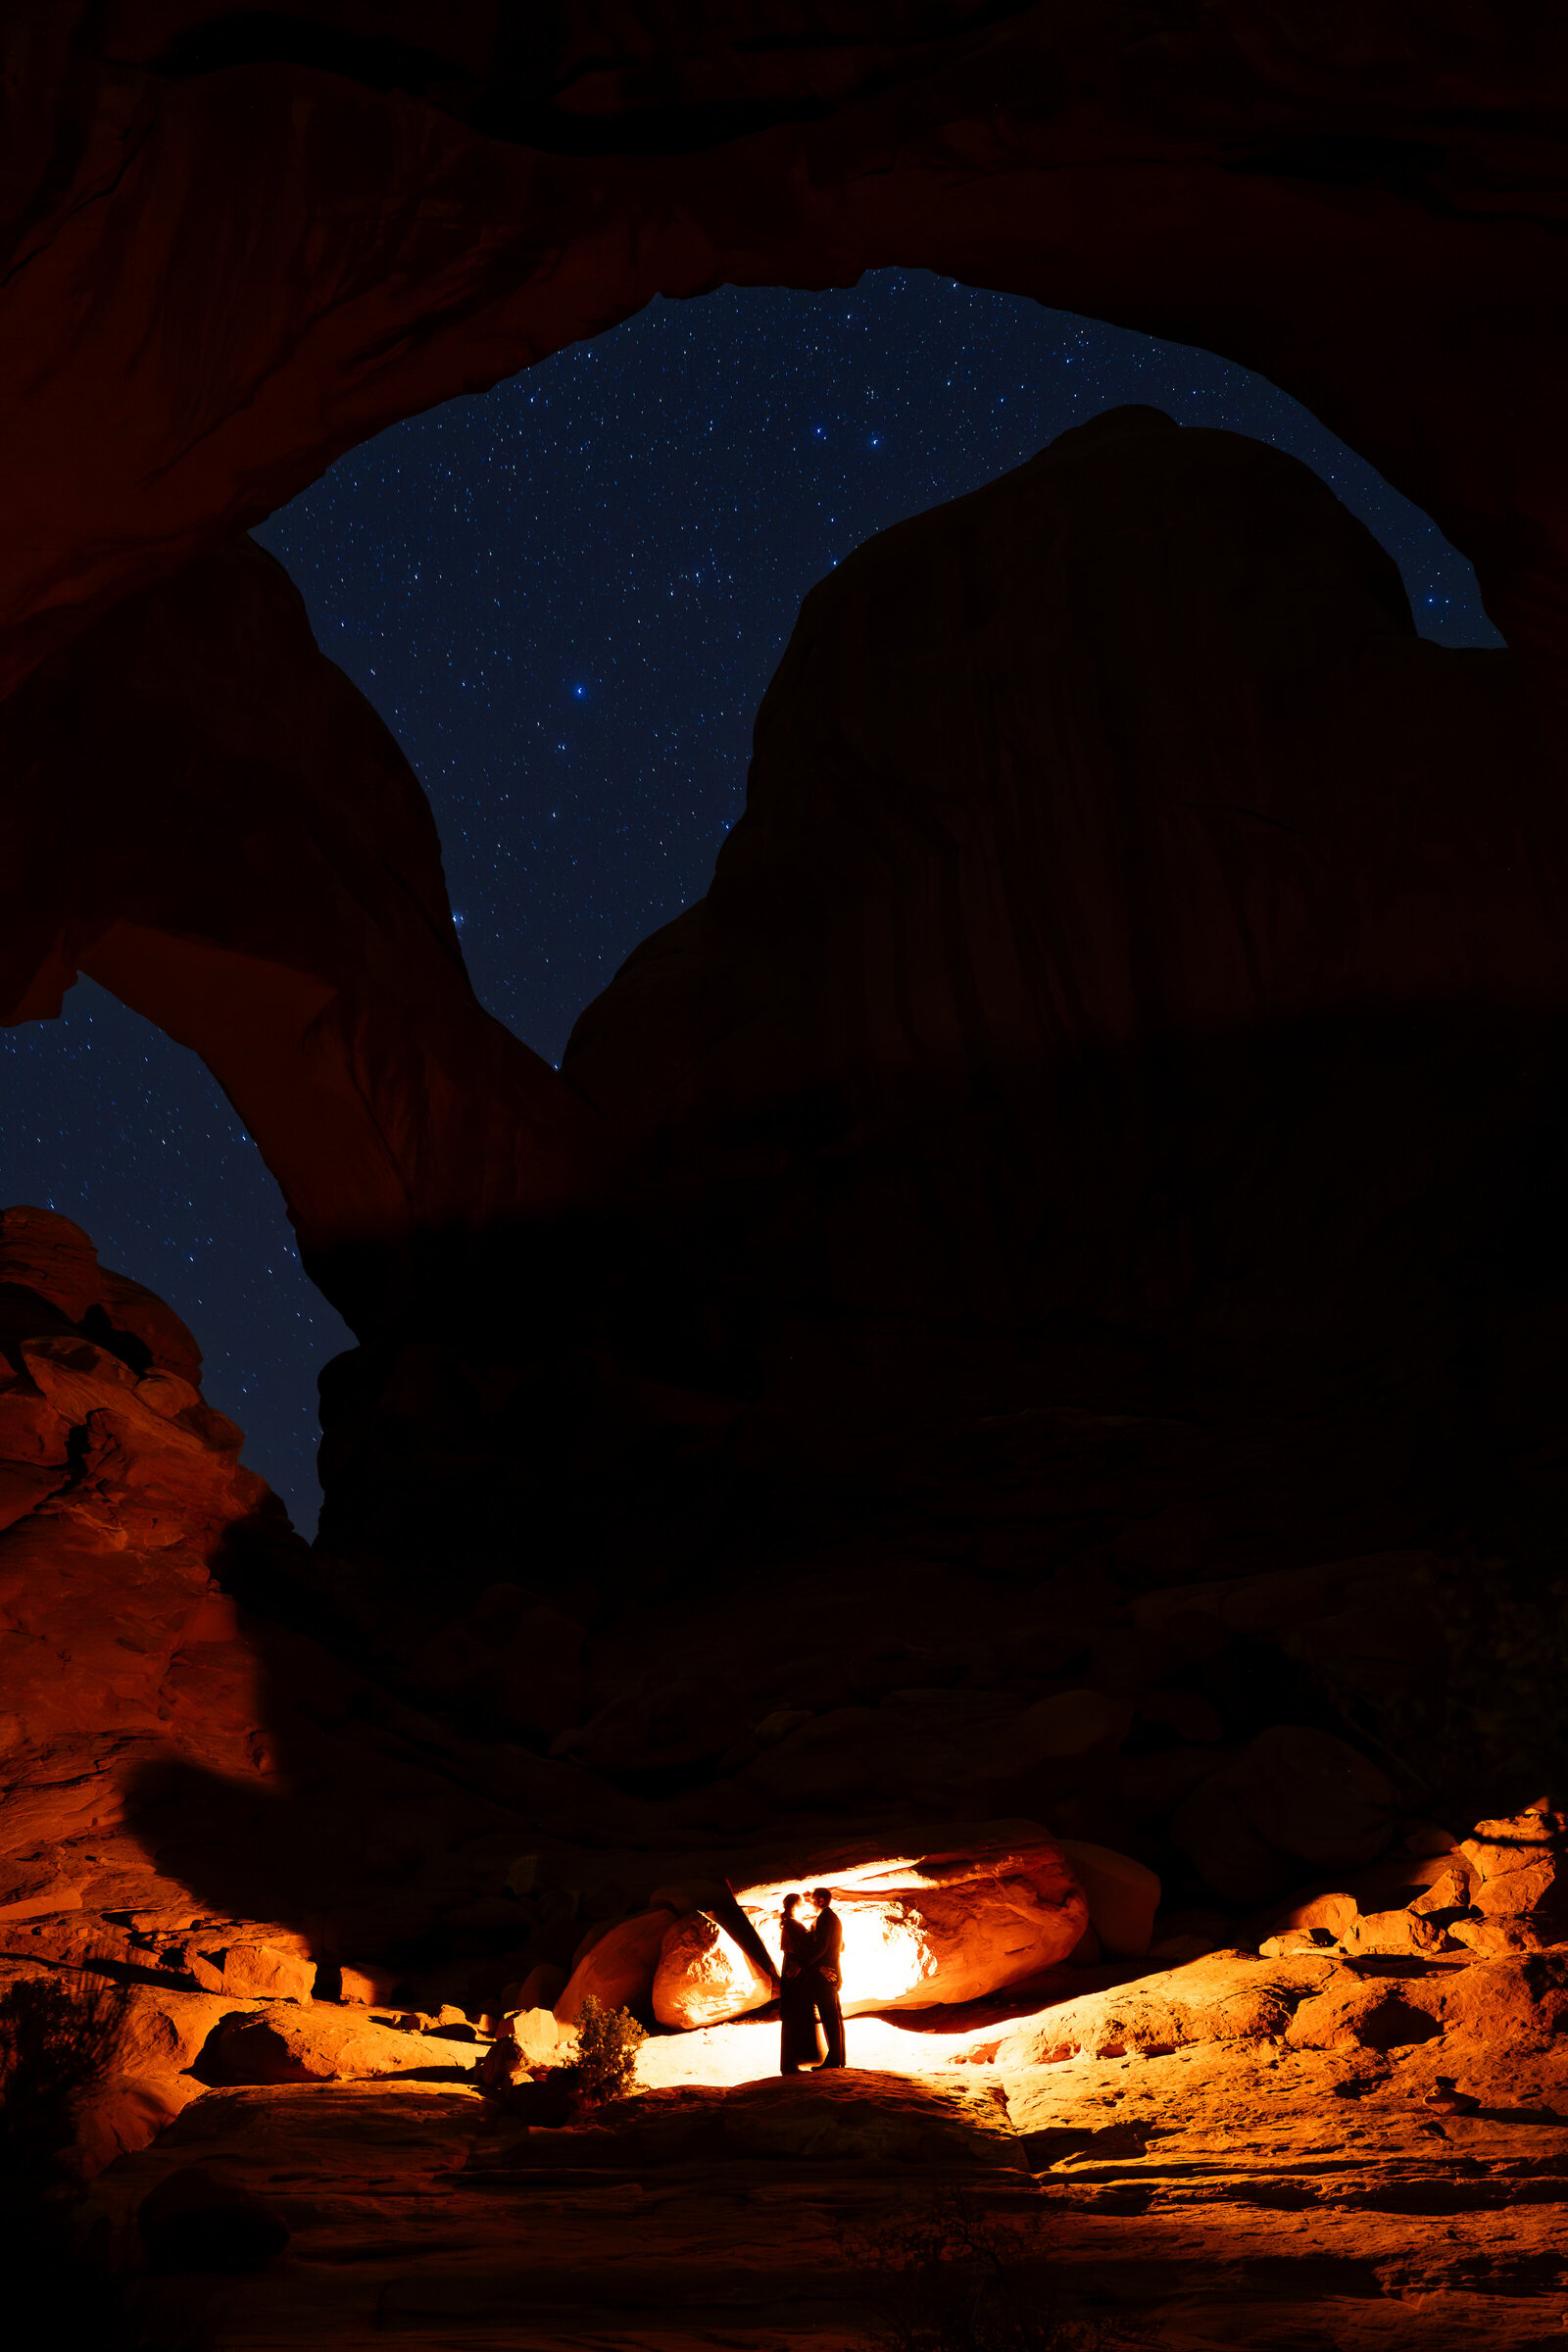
(808, 2005)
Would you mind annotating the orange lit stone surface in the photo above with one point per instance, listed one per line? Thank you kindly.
(947, 1926)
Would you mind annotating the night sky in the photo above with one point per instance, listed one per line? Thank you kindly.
(566, 597)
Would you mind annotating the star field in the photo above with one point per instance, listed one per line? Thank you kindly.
(566, 597)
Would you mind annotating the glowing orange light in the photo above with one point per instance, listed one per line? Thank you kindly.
(917, 1931)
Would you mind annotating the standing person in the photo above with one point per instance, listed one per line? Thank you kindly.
(798, 2043)
(826, 1975)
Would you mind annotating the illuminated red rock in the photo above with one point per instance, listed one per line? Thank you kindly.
(703, 1977)
(193, 1785)
(1184, 2193)
(1497, 2005)
(310, 2042)
(128, 1485)
(618, 1970)
(1122, 1895)
(946, 1926)
(1227, 1997)
(1517, 1884)
(261, 1964)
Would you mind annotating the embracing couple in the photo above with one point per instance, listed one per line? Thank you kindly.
(809, 1983)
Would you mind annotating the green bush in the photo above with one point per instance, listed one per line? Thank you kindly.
(608, 2042)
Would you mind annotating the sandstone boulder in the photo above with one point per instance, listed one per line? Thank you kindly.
(704, 1977)
(945, 1923)
(1497, 1849)
(543, 1986)
(165, 2032)
(314, 2043)
(366, 1987)
(272, 1965)
(1498, 2003)
(537, 2034)
(1517, 1883)
(1228, 1996)
(1293, 1796)
(1446, 1895)
(1333, 1913)
(1123, 1896)
(125, 2115)
(1393, 1934)
(619, 1967)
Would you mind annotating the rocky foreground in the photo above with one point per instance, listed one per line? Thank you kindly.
(1306, 2152)
(1315, 2093)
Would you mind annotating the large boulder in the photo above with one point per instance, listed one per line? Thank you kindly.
(1293, 1799)
(704, 1977)
(618, 1968)
(1507, 2003)
(1122, 1895)
(1226, 1996)
(291, 2042)
(964, 1916)
(1518, 1886)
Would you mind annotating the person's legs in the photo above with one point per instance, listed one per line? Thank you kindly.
(831, 2011)
(797, 2028)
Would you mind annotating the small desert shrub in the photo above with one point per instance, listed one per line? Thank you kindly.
(608, 2042)
(950, 2277)
(57, 2044)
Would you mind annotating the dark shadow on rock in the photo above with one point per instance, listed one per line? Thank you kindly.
(1103, 1131)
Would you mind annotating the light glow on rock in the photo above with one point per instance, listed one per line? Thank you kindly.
(887, 1955)
(919, 1931)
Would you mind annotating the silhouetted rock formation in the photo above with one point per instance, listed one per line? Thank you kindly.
(245, 857)
(1041, 1297)
(1108, 1099)
(268, 235)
